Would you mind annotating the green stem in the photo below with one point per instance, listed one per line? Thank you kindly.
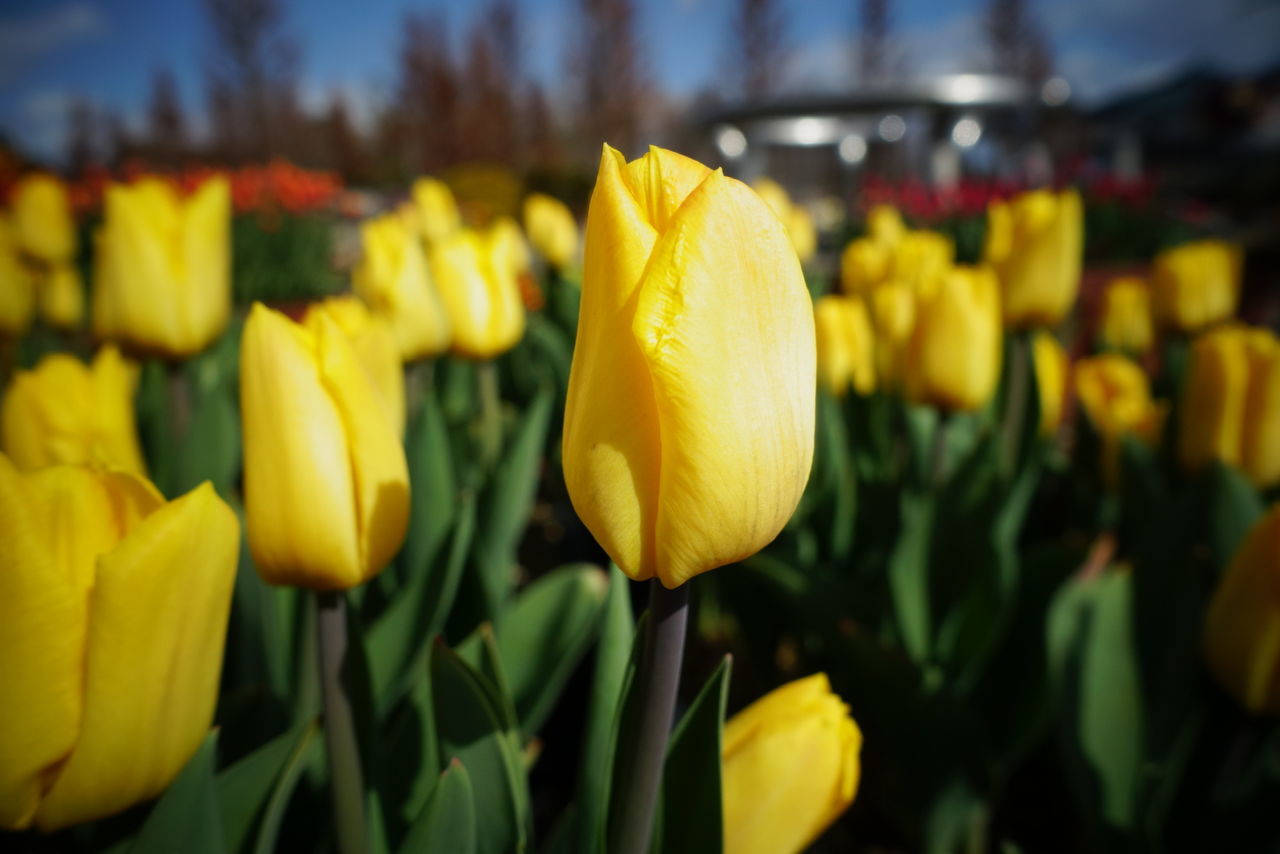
(490, 413)
(938, 454)
(339, 724)
(1015, 405)
(644, 748)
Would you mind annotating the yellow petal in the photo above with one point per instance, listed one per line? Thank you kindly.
(61, 297)
(1116, 398)
(551, 228)
(955, 351)
(206, 285)
(846, 345)
(42, 216)
(885, 225)
(374, 343)
(864, 265)
(1126, 323)
(17, 287)
(1035, 243)
(437, 210)
(1051, 365)
(1196, 284)
(1213, 399)
(661, 181)
(393, 279)
(481, 299)
(1261, 440)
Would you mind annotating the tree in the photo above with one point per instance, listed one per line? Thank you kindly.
(83, 148)
(759, 51)
(541, 135)
(609, 73)
(1018, 45)
(425, 116)
(873, 41)
(488, 119)
(346, 154)
(166, 127)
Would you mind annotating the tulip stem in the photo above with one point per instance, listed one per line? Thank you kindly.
(339, 724)
(1016, 398)
(644, 749)
(490, 413)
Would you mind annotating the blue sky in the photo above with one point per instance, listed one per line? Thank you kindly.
(107, 50)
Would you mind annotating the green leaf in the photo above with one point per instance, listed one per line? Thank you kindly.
(411, 757)
(692, 810)
(186, 816)
(909, 574)
(1234, 506)
(432, 480)
(447, 822)
(245, 788)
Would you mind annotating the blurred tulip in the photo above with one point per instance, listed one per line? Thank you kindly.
(691, 287)
(437, 211)
(325, 481)
(509, 250)
(1035, 243)
(552, 229)
(921, 258)
(953, 358)
(164, 266)
(113, 616)
(885, 226)
(67, 412)
(893, 317)
(795, 218)
(1116, 398)
(17, 286)
(846, 346)
(374, 343)
(42, 218)
(480, 293)
(1125, 323)
(1051, 366)
(791, 768)
(864, 266)
(1242, 624)
(61, 297)
(393, 279)
(1260, 445)
(1196, 284)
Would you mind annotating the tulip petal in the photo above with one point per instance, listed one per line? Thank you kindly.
(661, 181)
(206, 255)
(729, 339)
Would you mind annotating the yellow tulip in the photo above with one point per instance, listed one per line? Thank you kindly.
(67, 412)
(374, 343)
(1125, 323)
(1035, 243)
(1242, 625)
(791, 768)
(921, 258)
(1260, 445)
(1196, 284)
(953, 358)
(509, 250)
(864, 265)
(694, 371)
(42, 217)
(1051, 366)
(17, 286)
(438, 214)
(393, 279)
(62, 297)
(893, 317)
(774, 195)
(480, 293)
(885, 225)
(164, 266)
(552, 229)
(113, 616)
(325, 481)
(846, 345)
(795, 218)
(1116, 398)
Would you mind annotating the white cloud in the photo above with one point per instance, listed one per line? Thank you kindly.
(27, 40)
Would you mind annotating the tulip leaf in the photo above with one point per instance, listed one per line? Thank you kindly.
(411, 753)
(1234, 506)
(480, 650)
(245, 789)
(692, 806)
(433, 485)
(543, 634)
(909, 574)
(186, 817)
(446, 824)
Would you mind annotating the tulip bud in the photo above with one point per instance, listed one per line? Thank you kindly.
(17, 287)
(864, 265)
(1035, 243)
(885, 226)
(893, 317)
(325, 481)
(1196, 284)
(42, 217)
(437, 211)
(690, 287)
(795, 219)
(552, 229)
(113, 617)
(846, 346)
(164, 266)
(1260, 445)
(480, 292)
(509, 250)
(62, 297)
(791, 768)
(1116, 398)
(1240, 627)
(1126, 324)
(67, 412)
(954, 354)
(1051, 367)
(374, 343)
(921, 258)
(393, 279)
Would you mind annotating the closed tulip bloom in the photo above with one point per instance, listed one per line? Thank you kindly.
(791, 768)
(690, 416)
(164, 271)
(1125, 323)
(795, 218)
(864, 266)
(374, 343)
(1260, 446)
(1051, 365)
(480, 292)
(17, 287)
(61, 297)
(954, 355)
(846, 345)
(552, 229)
(325, 481)
(1196, 284)
(921, 258)
(885, 225)
(1242, 625)
(42, 217)
(1035, 243)
(438, 215)
(67, 412)
(395, 282)
(508, 248)
(893, 317)
(113, 617)
(1116, 398)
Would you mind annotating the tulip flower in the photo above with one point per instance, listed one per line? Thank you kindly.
(694, 371)
(67, 412)
(1243, 620)
(1196, 284)
(795, 218)
(17, 286)
(480, 292)
(885, 226)
(393, 279)
(1260, 445)
(1051, 365)
(113, 616)
(1126, 323)
(921, 258)
(791, 768)
(61, 297)
(1035, 243)
(846, 345)
(374, 343)
(325, 480)
(164, 271)
(42, 218)
(437, 211)
(864, 265)
(953, 358)
(509, 250)
(893, 317)
(1116, 398)
(552, 229)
